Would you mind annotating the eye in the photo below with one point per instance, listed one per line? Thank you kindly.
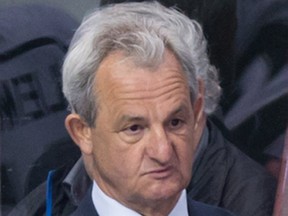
(132, 134)
(175, 123)
(133, 129)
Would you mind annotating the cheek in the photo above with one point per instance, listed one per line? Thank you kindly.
(188, 140)
(103, 150)
(115, 157)
(186, 148)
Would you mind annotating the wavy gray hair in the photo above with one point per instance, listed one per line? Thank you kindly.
(142, 31)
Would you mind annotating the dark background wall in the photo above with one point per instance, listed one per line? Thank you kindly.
(76, 8)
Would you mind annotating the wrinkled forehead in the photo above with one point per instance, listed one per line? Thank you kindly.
(118, 73)
(120, 64)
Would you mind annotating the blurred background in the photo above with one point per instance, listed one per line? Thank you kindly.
(74, 7)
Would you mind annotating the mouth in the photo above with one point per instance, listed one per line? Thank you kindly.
(161, 173)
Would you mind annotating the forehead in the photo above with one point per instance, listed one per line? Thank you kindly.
(119, 71)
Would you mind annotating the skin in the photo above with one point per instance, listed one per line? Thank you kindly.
(141, 151)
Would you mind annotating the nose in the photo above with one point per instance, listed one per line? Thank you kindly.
(160, 146)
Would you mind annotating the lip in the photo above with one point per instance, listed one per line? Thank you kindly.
(160, 173)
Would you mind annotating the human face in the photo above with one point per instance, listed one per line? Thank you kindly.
(145, 135)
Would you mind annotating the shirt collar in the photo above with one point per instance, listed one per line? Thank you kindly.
(105, 205)
(181, 207)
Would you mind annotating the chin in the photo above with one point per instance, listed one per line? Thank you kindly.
(164, 191)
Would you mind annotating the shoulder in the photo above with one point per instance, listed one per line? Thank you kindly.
(238, 183)
(199, 209)
(236, 162)
(224, 160)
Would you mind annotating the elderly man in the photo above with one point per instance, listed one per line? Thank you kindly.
(135, 78)
(222, 175)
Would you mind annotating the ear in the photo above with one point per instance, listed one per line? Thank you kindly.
(80, 132)
(198, 106)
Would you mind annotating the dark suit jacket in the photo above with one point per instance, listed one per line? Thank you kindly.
(224, 176)
(86, 208)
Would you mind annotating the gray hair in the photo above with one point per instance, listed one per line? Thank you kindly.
(142, 31)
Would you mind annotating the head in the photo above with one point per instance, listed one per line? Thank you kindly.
(135, 77)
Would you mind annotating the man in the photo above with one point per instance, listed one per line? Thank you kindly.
(135, 77)
(222, 176)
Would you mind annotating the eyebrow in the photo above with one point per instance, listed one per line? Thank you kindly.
(131, 118)
(182, 108)
(136, 118)
(127, 118)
